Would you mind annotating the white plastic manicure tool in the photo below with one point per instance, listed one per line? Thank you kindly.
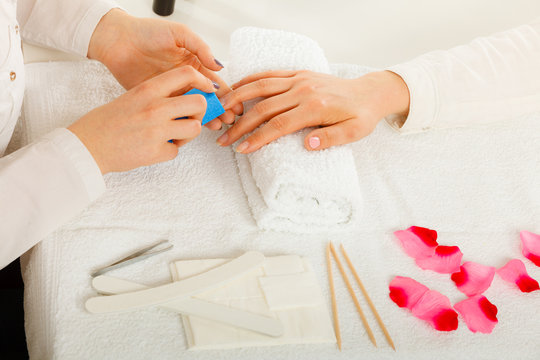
(201, 308)
(179, 289)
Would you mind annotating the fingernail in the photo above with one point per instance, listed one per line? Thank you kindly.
(222, 139)
(242, 147)
(216, 85)
(218, 62)
(314, 142)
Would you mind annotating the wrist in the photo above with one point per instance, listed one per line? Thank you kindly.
(389, 93)
(107, 32)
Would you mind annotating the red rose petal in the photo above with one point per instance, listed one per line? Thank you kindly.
(406, 292)
(445, 260)
(515, 272)
(473, 278)
(479, 314)
(436, 309)
(418, 242)
(530, 243)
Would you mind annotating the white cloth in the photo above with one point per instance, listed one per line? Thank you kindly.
(47, 183)
(290, 188)
(477, 187)
(492, 79)
(304, 322)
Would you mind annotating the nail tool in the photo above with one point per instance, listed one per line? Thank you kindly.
(179, 289)
(201, 308)
(135, 257)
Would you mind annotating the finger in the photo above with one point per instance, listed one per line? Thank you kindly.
(214, 124)
(193, 43)
(167, 152)
(278, 126)
(341, 133)
(223, 89)
(227, 117)
(191, 106)
(264, 74)
(261, 112)
(182, 78)
(183, 129)
(260, 88)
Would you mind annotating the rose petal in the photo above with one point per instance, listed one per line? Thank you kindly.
(473, 278)
(445, 260)
(436, 309)
(418, 242)
(515, 272)
(479, 314)
(530, 243)
(406, 292)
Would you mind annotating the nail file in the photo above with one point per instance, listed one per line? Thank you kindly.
(213, 106)
(179, 289)
(201, 308)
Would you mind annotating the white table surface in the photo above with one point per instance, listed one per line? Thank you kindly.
(369, 32)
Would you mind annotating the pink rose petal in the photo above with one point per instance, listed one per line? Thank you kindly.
(445, 260)
(479, 314)
(418, 242)
(406, 292)
(425, 304)
(515, 272)
(437, 310)
(530, 243)
(473, 278)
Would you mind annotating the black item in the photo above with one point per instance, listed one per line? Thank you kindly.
(163, 7)
(12, 337)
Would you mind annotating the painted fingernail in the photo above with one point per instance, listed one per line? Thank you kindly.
(222, 139)
(242, 147)
(218, 62)
(314, 142)
(216, 85)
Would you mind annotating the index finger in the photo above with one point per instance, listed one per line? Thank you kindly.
(262, 75)
(169, 82)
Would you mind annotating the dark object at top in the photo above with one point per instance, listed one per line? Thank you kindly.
(163, 7)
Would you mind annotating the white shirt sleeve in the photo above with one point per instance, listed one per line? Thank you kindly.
(65, 25)
(42, 186)
(491, 79)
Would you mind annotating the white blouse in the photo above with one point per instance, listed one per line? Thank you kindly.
(46, 183)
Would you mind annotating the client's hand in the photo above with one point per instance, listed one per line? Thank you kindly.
(136, 49)
(133, 130)
(346, 110)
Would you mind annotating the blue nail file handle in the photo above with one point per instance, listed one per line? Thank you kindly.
(213, 106)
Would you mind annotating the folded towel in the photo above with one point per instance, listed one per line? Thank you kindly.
(288, 187)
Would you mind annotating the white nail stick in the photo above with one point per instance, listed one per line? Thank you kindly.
(176, 290)
(201, 308)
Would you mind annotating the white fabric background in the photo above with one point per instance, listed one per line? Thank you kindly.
(477, 187)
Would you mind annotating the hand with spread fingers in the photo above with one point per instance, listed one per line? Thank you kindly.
(137, 49)
(343, 110)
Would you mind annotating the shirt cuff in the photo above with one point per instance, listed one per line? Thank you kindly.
(88, 23)
(81, 159)
(424, 99)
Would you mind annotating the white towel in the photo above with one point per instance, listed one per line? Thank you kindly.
(477, 187)
(288, 187)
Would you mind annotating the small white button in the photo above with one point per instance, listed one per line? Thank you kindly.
(12, 75)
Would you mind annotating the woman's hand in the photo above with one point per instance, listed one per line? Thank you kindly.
(133, 130)
(345, 109)
(136, 49)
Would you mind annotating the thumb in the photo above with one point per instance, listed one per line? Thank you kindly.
(187, 39)
(341, 133)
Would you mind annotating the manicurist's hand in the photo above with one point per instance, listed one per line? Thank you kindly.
(136, 49)
(133, 130)
(345, 110)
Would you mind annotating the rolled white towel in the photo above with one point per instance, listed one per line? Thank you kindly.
(288, 187)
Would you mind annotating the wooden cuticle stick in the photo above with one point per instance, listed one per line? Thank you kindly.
(368, 299)
(351, 291)
(333, 295)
